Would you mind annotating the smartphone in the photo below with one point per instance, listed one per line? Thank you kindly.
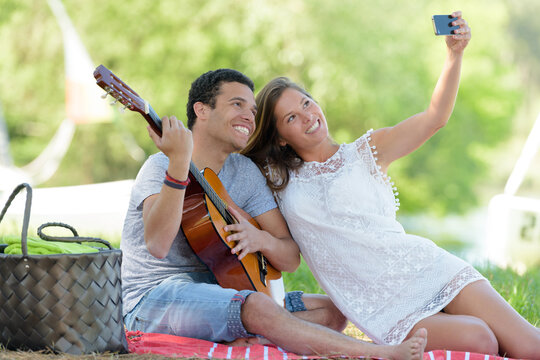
(442, 24)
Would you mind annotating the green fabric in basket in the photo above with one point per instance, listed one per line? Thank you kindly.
(38, 246)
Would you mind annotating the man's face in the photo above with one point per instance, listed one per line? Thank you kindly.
(232, 121)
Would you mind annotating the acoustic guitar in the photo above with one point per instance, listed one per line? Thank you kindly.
(206, 208)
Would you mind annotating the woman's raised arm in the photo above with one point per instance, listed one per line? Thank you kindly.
(397, 141)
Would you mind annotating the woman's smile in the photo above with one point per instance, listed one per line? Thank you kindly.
(316, 125)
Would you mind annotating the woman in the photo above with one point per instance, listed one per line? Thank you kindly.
(340, 206)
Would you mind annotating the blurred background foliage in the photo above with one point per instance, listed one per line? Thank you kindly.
(369, 65)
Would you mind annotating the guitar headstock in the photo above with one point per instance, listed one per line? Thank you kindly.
(126, 96)
(119, 90)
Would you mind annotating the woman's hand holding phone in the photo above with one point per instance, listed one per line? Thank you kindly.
(455, 28)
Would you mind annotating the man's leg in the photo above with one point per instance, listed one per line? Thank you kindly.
(189, 305)
(262, 316)
(315, 308)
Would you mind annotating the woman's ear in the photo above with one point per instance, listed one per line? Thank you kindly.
(200, 110)
(282, 142)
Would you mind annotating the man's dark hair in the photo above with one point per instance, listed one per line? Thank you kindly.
(207, 86)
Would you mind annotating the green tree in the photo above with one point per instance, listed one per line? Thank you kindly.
(369, 65)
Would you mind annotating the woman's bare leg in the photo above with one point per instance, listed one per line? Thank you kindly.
(458, 333)
(516, 337)
(480, 320)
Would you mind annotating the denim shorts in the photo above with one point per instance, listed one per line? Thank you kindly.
(193, 305)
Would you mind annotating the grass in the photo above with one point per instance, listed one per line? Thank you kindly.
(28, 355)
(521, 291)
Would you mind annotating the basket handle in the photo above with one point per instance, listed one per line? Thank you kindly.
(26, 218)
(75, 238)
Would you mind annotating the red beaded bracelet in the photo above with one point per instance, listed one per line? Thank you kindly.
(176, 181)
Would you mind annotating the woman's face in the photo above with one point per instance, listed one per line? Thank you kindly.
(300, 121)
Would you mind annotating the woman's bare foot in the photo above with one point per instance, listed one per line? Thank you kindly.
(412, 349)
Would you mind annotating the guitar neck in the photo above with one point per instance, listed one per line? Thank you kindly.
(155, 122)
(152, 118)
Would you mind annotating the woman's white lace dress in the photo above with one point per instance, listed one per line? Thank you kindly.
(342, 215)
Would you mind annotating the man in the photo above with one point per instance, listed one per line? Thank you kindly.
(167, 289)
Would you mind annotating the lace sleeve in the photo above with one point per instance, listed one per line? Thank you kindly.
(368, 153)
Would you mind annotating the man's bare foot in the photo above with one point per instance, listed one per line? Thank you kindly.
(412, 349)
(241, 342)
(248, 341)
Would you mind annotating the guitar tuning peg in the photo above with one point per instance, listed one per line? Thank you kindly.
(122, 110)
(104, 96)
(114, 102)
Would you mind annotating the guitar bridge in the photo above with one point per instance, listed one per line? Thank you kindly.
(262, 268)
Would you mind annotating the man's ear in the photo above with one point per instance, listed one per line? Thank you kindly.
(200, 109)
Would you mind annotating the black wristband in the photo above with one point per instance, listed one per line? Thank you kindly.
(174, 185)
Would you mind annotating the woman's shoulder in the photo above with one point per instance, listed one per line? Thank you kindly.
(361, 144)
(366, 137)
(362, 149)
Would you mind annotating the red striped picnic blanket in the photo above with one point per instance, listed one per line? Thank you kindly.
(178, 346)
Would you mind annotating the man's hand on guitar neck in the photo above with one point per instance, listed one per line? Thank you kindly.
(275, 242)
(176, 142)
